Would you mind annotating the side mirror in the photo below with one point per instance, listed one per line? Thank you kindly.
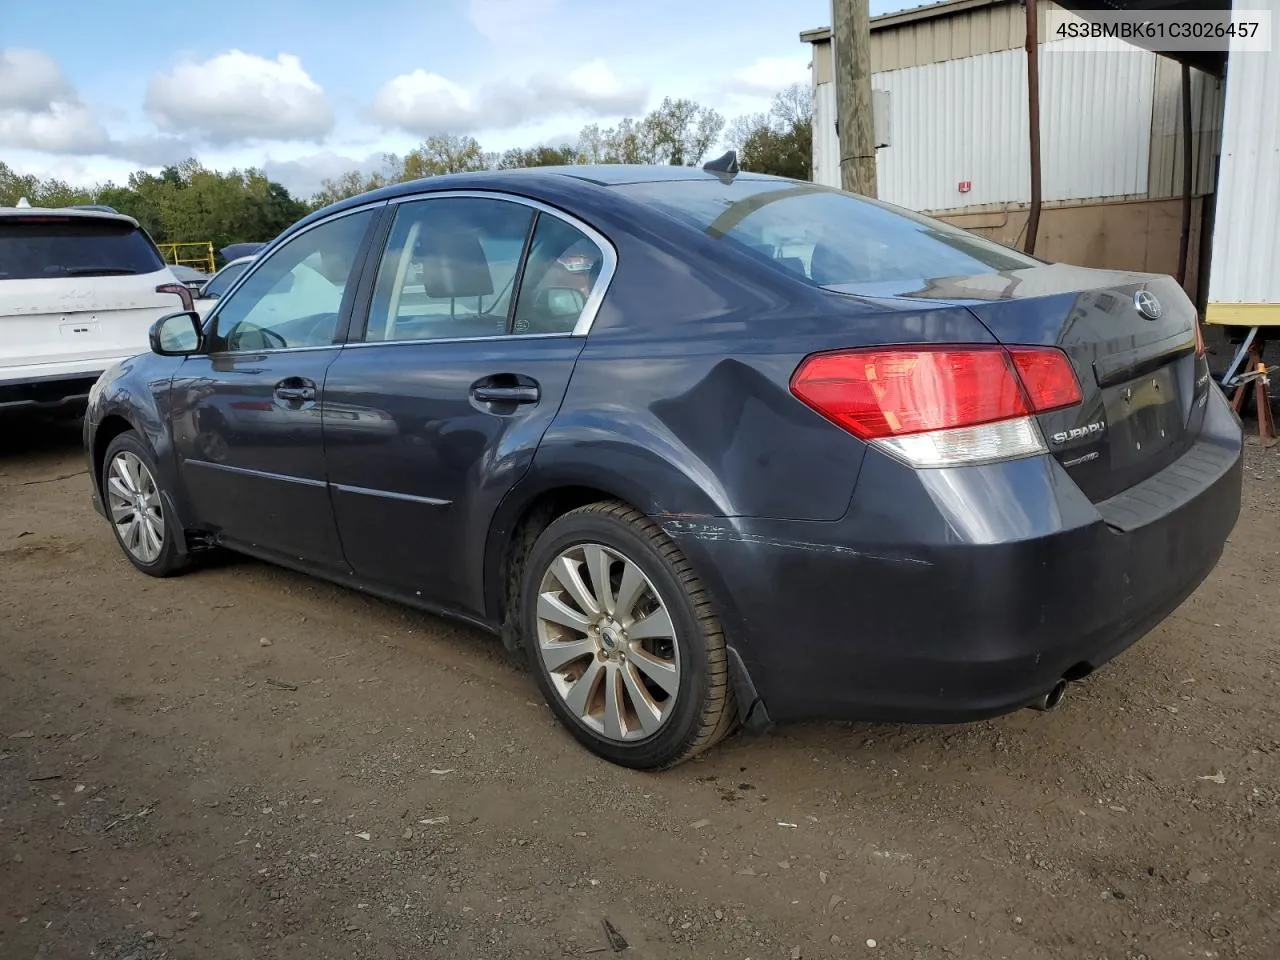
(177, 334)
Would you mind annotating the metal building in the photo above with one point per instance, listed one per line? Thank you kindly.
(952, 131)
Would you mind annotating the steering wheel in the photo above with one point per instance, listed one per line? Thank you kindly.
(244, 331)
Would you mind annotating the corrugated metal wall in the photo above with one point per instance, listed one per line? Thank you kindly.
(969, 33)
(966, 120)
(826, 145)
(1246, 238)
(1165, 178)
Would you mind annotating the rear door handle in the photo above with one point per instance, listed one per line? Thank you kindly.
(505, 394)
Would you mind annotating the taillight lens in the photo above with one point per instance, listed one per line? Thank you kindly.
(940, 406)
(188, 303)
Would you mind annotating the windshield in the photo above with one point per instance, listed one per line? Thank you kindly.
(224, 278)
(828, 237)
(41, 247)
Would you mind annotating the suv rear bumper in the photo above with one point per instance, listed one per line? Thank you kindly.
(946, 596)
(50, 386)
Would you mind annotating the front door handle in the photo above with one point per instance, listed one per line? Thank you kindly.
(295, 390)
(495, 394)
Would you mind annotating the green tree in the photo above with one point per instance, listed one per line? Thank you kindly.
(538, 157)
(440, 154)
(779, 142)
(679, 132)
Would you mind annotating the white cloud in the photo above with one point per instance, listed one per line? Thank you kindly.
(31, 81)
(39, 109)
(303, 176)
(425, 103)
(768, 75)
(239, 96)
(62, 128)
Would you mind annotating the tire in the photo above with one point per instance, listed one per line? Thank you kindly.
(128, 461)
(658, 691)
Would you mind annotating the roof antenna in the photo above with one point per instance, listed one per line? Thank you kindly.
(726, 165)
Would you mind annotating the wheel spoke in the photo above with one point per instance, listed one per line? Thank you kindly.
(598, 563)
(633, 584)
(155, 540)
(648, 712)
(566, 572)
(551, 607)
(656, 626)
(614, 722)
(120, 512)
(133, 535)
(662, 672)
(115, 485)
(579, 695)
(130, 470)
(560, 653)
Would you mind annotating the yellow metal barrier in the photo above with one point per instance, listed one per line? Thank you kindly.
(198, 255)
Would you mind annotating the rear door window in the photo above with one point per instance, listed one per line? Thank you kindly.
(826, 236)
(34, 248)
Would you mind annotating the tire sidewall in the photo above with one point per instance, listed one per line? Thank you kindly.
(681, 727)
(169, 559)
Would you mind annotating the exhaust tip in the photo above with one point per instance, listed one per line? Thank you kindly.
(1051, 699)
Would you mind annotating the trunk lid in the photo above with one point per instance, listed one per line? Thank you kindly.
(79, 318)
(1143, 385)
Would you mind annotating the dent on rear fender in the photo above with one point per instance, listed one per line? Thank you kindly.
(734, 530)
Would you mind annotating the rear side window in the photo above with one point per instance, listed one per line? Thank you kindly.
(831, 238)
(52, 247)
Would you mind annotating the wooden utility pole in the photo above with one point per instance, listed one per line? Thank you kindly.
(855, 122)
(1033, 121)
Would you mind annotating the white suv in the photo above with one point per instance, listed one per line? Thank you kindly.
(79, 290)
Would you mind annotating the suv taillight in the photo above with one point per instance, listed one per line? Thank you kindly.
(188, 303)
(941, 406)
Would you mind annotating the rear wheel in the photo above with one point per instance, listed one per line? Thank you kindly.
(622, 639)
(143, 525)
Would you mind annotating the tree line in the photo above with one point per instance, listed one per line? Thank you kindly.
(188, 202)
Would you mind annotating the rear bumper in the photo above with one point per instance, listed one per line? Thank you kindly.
(946, 596)
(49, 386)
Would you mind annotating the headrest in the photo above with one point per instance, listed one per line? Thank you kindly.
(453, 265)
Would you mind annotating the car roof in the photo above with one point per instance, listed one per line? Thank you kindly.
(80, 212)
(585, 176)
(231, 263)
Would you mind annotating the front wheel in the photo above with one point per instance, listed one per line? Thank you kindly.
(143, 525)
(622, 639)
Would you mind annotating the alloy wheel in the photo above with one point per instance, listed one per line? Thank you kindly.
(606, 640)
(133, 500)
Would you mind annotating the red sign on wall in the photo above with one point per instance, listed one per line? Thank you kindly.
(965, 186)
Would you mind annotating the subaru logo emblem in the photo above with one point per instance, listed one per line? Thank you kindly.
(1147, 304)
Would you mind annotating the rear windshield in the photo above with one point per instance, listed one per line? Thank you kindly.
(831, 238)
(44, 248)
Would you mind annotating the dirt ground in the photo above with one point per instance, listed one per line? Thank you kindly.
(245, 763)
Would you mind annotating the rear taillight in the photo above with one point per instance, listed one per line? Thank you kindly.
(181, 290)
(941, 406)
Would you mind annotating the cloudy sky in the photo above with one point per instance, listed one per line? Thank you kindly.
(93, 89)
